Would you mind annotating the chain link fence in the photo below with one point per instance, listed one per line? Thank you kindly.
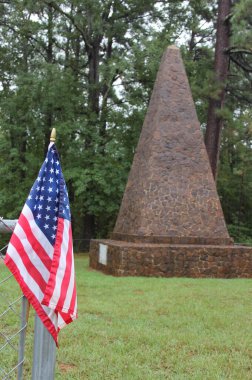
(15, 339)
(13, 319)
(81, 245)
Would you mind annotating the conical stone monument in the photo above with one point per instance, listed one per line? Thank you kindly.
(170, 221)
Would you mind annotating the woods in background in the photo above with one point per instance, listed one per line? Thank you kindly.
(87, 68)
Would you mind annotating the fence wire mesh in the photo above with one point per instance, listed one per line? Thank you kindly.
(13, 322)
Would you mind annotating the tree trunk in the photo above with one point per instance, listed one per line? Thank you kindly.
(215, 121)
(88, 231)
(93, 78)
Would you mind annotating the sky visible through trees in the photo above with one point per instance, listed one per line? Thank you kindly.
(87, 68)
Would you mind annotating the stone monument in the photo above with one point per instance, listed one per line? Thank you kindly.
(170, 221)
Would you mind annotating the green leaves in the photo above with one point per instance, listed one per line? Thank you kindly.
(88, 69)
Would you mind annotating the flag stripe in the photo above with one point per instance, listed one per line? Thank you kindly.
(35, 295)
(38, 236)
(33, 256)
(62, 265)
(67, 272)
(34, 242)
(50, 294)
(68, 304)
(73, 300)
(31, 269)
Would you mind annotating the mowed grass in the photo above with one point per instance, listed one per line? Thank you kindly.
(155, 328)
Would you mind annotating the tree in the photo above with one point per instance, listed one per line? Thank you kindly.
(221, 62)
(88, 69)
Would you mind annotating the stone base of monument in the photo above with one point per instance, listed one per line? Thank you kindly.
(121, 258)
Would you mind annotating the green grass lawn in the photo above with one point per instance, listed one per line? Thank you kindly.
(157, 328)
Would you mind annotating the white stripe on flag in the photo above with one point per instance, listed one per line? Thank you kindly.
(52, 315)
(20, 233)
(70, 288)
(40, 236)
(61, 322)
(29, 281)
(62, 265)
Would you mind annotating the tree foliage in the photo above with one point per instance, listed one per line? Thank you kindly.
(88, 68)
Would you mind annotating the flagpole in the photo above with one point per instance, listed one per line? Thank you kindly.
(44, 349)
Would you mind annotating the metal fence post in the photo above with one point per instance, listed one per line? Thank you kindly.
(21, 348)
(44, 353)
(9, 336)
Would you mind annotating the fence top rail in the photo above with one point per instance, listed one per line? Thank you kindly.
(7, 225)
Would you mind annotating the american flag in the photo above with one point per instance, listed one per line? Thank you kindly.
(40, 252)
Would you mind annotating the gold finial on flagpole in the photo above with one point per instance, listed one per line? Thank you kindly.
(53, 135)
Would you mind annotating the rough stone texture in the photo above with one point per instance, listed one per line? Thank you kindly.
(171, 191)
(170, 260)
(170, 239)
(170, 221)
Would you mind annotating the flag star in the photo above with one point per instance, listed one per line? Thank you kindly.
(57, 190)
(57, 181)
(36, 197)
(46, 226)
(57, 200)
(46, 160)
(63, 211)
(64, 199)
(39, 216)
(30, 197)
(56, 209)
(55, 218)
(44, 179)
(57, 162)
(47, 217)
(49, 199)
(50, 179)
(39, 179)
(54, 228)
(51, 170)
(40, 207)
(37, 188)
(67, 206)
(45, 169)
(42, 188)
(52, 160)
(57, 171)
(41, 198)
(53, 150)
(34, 208)
(48, 208)
(53, 236)
(50, 189)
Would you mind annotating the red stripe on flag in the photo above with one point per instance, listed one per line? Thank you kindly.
(67, 318)
(32, 299)
(67, 274)
(73, 300)
(31, 269)
(38, 248)
(55, 263)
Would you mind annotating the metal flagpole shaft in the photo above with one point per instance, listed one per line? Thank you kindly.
(44, 348)
(44, 353)
(21, 348)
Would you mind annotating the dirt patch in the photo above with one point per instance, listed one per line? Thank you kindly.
(138, 291)
(66, 367)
